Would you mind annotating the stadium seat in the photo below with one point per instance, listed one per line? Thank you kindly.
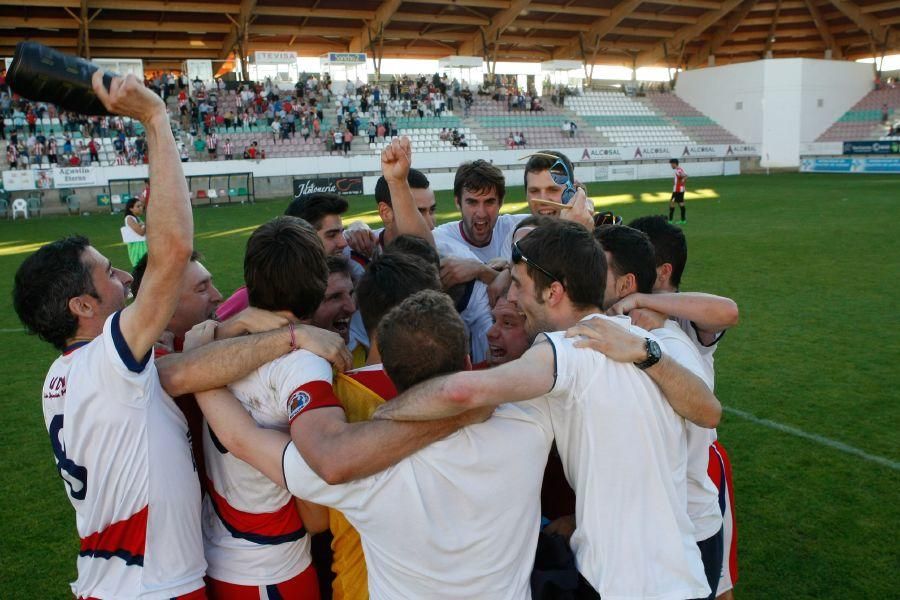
(19, 207)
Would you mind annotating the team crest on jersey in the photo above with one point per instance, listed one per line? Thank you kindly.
(297, 402)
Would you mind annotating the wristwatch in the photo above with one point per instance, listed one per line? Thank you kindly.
(653, 355)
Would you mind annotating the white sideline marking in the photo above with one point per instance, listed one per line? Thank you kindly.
(885, 462)
(20, 330)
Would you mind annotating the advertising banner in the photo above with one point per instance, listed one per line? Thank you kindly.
(850, 165)
(345, 186)
(74, 177)
(351, 58)
(18, 179)
(274, 58)
(872, 147)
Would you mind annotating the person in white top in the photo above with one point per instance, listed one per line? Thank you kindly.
(704, 318)
(478, 190)
(633, 537)
(120, 444)
(631, 269)
(471, 540)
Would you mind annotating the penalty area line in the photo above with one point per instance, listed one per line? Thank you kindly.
(818, 439)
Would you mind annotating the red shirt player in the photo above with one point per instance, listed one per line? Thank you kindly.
(677, 191)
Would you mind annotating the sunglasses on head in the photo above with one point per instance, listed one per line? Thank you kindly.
(518, 257)
(563, 178)
(606, 218)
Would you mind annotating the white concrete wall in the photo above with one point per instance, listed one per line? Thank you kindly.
(838, 84)
(716, 92)
(775, 103)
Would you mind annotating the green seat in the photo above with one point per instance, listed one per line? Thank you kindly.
(242, 191)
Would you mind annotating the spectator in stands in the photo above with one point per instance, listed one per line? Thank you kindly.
(348, 138)
(52, 151)
(74, 161)
(372, 131)
(572, 128)
(228, 149)
(11, 155)
(381, 131)
(67, 145)
(94, 149)
(338, 138)
(276, 129)
(511, 141)
(885, 114)
(31, 119)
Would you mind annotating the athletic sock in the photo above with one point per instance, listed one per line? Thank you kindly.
(682, 212)
(671, 212)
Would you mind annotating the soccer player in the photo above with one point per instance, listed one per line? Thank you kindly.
(120, 444)
(704, 318)
(540, 184)
(506, 338)
(598, 408)
(677, 191)
(323, 211)
(255, 535)
(472, 539)
(632, 269)
(338, 305)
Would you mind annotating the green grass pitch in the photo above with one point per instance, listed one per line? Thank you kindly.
(812, 261)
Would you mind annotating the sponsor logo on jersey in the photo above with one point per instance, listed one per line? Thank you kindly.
(297, 402)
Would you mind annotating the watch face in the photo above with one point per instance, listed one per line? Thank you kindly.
(653, 351)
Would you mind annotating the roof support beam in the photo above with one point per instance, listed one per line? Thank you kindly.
(373, 30)
(239, 31)
(302, 12)
(723, 34)
(771, 35)
(159, 6)
(445, 19)
(503, 4)
(599, 29)
(871, 8)
(868, 24)
(707, 4)
(824, 32)
(688, 33)
(475, 45)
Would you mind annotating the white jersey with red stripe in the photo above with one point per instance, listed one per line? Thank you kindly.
(123, 450)
(680, 178)
(251, 527)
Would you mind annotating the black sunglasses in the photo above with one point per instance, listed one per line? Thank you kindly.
(564, 179)
(517, 257)
(607, 218)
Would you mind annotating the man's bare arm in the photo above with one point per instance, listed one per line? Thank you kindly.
(688, 395)
(396, 160)
(218, 363)
(528, 377)
(710, 314)
(170, 224)
(340, 452)
(260, 448)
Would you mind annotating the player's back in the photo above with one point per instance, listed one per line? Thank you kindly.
(122, 448)
(252, 529)
(624, 451)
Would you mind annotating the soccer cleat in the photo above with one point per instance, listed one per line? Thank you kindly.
(681, 222)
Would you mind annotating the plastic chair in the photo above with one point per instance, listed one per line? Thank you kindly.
(19, 207)
(34, 205)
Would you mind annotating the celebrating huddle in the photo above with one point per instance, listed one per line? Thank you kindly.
(402, 388)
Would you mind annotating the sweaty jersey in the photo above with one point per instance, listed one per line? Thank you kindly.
(500, 245)
(438, 523)
(252, 529)
(680, 178)
(123, 451)
(472, 304)
(624, 452)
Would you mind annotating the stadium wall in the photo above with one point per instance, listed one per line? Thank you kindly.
(776, 103)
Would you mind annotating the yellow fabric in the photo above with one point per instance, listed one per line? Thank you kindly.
(359, 354)
(348, 560)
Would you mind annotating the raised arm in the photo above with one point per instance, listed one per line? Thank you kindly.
(170, 228)
(396, 160)
(710, 314)
(688, 395)
(528, 377)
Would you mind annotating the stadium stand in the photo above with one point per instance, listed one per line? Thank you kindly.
(865, 121)
(658, 119)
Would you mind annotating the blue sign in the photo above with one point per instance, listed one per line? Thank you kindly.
(850, 165)
(872, 147)
(881, 165)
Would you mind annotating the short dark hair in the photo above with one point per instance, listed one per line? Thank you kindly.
(315, 207)
(538, 163)
(668, 242)
(137, 273)
(338, 264)
(44, 284)
(285, 268)
(568, 251)
(533, 221)
(479, 176)
(631, 252)
(673, 161)
(422, 337)
(389, 280)
(413, 245)
(416, 180)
